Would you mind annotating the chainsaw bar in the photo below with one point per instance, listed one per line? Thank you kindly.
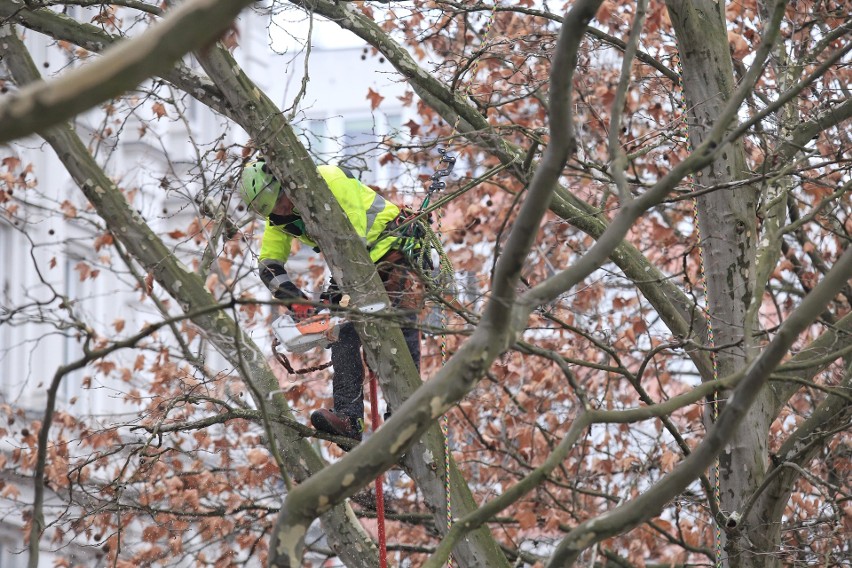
(320, 330)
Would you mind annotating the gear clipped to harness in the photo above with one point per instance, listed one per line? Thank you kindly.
(421, 239)
(437, 182)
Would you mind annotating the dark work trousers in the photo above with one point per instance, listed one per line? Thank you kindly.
(405, 292)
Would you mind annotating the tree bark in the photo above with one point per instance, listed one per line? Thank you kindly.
(351, 268)
(650, 502)
(728, 232)
(675, 308)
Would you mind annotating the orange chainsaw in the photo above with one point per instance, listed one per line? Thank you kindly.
(320, 330)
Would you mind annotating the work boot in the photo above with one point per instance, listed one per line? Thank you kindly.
(327, 421)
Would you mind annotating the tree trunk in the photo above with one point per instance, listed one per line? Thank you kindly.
(728, 228)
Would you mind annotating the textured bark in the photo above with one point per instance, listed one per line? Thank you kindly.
(480, 549)
(190, 26)
(345, 532)
(492, 336)
(728, 228)
(770, 501)
(833, 343)
(94, 39)
(758, 492)
(351, 268)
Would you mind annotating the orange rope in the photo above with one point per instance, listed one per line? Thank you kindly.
(380, 500)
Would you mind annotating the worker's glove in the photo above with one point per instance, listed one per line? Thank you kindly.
(331, 295)
(302, 311)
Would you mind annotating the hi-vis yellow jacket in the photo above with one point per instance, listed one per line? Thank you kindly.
(368, 212)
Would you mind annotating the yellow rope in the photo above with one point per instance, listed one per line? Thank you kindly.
(445, 273)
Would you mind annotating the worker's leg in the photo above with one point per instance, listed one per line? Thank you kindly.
(348, 382)
(412, 340)
(347, 388)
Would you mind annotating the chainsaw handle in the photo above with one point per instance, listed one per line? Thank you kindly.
(302, 311)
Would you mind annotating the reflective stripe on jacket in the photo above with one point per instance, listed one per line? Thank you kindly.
(368, 212)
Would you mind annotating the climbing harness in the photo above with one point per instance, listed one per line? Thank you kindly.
(419, 240)
(711, 341)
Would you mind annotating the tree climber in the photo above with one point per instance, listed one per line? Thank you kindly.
(373, 218)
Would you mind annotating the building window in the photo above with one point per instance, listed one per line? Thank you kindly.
(360, 150)
(12, 556)
(314, 135)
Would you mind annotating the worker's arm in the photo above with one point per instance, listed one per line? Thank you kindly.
(274, 252)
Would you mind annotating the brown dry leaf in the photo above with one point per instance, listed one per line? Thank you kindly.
(257, 457)
(212, 283)
(739, 46)
(84, 270)
(605, 12)
(68, 209)
(413, 127)
(526, 519)
(230, 38)
(225, 265)
(159, 109)
(374, 98)
(407, 98)
(11, 162)
(105, 239)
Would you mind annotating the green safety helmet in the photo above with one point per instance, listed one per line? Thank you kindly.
(259, 188)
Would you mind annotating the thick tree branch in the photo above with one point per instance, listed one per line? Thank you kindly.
(559, 454)
(189, 26)
(809, 129)
(463, 370)
(811, 360)
(772, 497)
(94, 39)
(349, 263)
